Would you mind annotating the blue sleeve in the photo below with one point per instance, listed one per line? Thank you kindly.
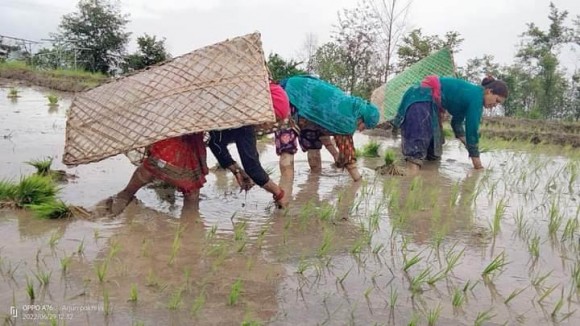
(218, 144)
(457, 125)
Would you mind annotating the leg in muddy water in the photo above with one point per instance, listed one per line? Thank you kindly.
(353, 171)
(329, 145)
(314, 160)
(412, 168)
(280, 196)
(140, 178)
(346, 200)
(190, 204)
(287, 173)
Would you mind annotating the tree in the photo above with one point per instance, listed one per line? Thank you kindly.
(539, 50)
(280, 68)
(329, 64)
(477, 68)
(98, 29)
(308, 52)
(390, 16)
(417, 46)
(151, 51)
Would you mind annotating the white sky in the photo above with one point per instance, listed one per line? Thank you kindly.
(488, 26)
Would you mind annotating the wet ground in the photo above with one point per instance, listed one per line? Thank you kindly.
(388, 251)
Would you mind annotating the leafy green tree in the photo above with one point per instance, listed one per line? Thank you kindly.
(151, 51)
(98, 30)
(329, 64)
(539, 51)
(416, 46)
(477, 68)
(280, 68)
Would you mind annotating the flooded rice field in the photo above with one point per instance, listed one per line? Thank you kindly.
(450, 247)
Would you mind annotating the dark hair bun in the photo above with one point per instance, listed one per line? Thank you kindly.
(487, 80)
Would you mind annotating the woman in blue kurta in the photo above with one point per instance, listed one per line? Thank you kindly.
(421, 111)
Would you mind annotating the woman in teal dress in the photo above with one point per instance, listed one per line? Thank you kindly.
(420, 116)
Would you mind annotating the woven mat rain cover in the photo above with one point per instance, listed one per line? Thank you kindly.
(220, 86)
(439, 63)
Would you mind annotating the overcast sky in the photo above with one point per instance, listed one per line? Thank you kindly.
(488, 26)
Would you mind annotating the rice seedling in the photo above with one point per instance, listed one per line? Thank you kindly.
(51, 209)
(326, 244)
(498, 215)
(176, 243)
(390, 168)
(152, 280)
(378, 249)
(54, 238)
(418, 281)
(235, 292)
(302, 266)
(133, 293)
(555, 219)
(483, 317)
(13, 93)
(436, 277)
(43, 277)
(513, 295)
(570, 229)
(370, 149)
(175, 300)
(240, 230)
(495, 266)
(452, 259)
(433, 315)
(212, 232)
(34, 190)
(251, 323)
(101, 270)
(114, 250)
(413, 261)
(42, 166)
(52, 99)
(538, 280)
(393, 297)
(454, 194)
(367, 292)
(458, 298)
(546, 293)
(415, 319)
(106, 302)
(81, 247)
(30, 289)
(198, 303)
(558, 306)
(534, 246)
(65, 263)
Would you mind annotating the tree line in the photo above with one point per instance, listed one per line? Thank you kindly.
(369, 44)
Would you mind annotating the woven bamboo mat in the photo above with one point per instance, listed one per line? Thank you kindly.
(388, 97)
(220, 86)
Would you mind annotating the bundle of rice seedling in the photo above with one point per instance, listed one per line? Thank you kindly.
(390, 167)
(7, 194)
(35, 189)
(42, 166)
(51, 209)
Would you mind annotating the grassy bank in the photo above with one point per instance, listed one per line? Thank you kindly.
(59, 79)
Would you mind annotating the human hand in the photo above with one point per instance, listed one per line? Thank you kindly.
(244, 180)
(476, 163)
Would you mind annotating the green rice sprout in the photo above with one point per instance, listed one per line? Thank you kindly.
(452, 259)
(81, 247)
(570, 229)
(495, 266)
(51, 209)
(198, 303)
(326, 243)
(534, 246)
(133, 293)
(483, 317)
(54, 238)
(106, 302)
(498, 215)
(235, 292)
(34, 190)
(394, 295)
(558, 306)
(546, 293)
(13, 93)
(538, 279)
(370, 149)
(418, 281)
(458, 298)
(415, 318)
(43, 277)
(30, 289)
(65, 263)
(389, 157)
(555, 219)
(42, 165)
(513, 295)
(433, 315)
(413, 261)
(52, 99)
(175, 300)
(101, 270)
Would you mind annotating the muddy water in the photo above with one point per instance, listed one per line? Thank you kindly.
(380, 252)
